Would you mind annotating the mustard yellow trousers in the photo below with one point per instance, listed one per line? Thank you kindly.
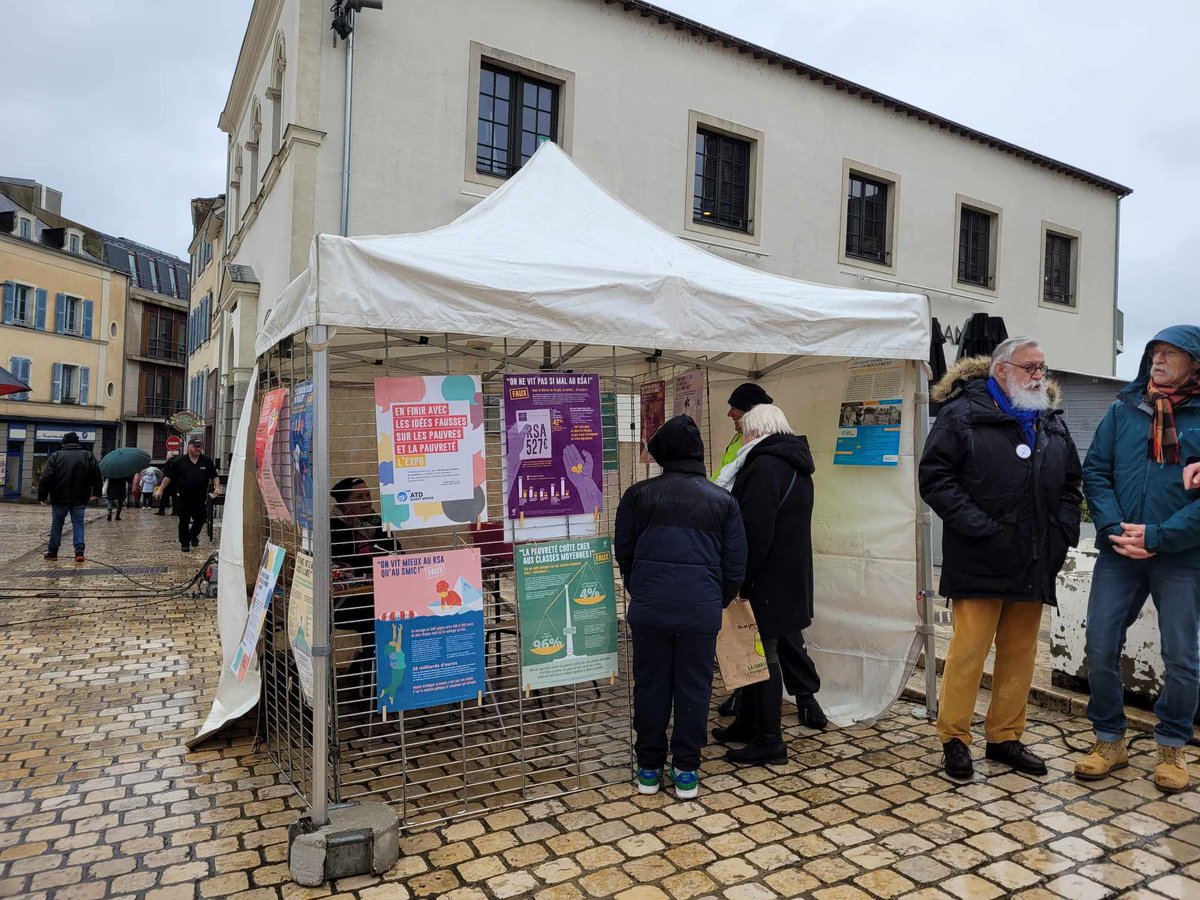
(978, 623)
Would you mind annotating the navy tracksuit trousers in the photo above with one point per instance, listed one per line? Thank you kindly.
(671, 673)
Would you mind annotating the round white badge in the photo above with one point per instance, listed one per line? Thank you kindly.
(1023, 451)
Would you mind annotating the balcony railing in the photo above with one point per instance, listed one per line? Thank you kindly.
(159, 407)
(172, 351)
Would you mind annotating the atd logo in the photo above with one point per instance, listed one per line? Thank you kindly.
(406, 496)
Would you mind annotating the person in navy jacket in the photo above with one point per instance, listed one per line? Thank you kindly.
(681, 548)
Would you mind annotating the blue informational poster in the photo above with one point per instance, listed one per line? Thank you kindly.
(301, 451)
(428, 629)
(870, 417)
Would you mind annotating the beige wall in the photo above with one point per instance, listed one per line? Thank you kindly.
(58, 272)
(637, 87)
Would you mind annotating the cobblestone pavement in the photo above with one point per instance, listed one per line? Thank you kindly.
(99, 797)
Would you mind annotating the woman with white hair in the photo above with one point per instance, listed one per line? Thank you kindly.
(771, 478)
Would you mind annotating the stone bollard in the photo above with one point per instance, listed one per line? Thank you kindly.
(360, 838)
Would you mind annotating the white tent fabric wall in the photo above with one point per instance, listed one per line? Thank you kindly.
(864, 633)
(552, 255)
(233, 698)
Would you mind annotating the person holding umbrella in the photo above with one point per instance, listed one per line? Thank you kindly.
(119, 467)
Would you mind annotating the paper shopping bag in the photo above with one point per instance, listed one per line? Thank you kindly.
(739, 648)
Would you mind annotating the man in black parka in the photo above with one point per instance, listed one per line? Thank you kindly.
(681, 549)
(1002, 472)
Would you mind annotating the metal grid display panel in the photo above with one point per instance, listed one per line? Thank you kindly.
(516, 746)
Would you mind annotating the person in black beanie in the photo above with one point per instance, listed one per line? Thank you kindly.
(799, 674)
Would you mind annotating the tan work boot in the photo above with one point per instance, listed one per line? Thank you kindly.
(1104, 758)
(1171, 774)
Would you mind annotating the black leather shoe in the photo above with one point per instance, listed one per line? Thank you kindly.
(740, 732)
(762, 751)
(1017, 755)
(731, 704)
(810, 713)
(958, 763)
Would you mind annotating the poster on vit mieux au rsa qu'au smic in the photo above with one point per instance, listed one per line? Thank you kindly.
(428, 629)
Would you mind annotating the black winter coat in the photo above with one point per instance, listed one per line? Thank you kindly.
(71, 477)
(775, 492)
(679, 541)
(1007, 521)
(118, 489)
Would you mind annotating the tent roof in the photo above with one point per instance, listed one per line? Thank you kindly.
(554, 256)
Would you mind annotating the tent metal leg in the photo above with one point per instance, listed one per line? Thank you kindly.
(322, 564)
(925, 591)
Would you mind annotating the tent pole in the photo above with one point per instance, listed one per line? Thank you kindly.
(322, 563)
(925, 591)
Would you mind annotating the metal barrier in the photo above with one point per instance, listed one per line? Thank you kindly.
(513, 747)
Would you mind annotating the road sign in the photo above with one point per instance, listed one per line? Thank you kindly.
(174, 442)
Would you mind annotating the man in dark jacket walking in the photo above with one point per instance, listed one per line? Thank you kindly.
(681, 550)
(1148, 534)
(1002, 472)
(71, 478)
(772, 483)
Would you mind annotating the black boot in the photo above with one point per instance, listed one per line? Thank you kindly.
(810, 713)
(745, 727)
(732, 705)
(768, 749)
(957, 760)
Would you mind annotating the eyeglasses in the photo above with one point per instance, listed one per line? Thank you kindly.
(1031, 368)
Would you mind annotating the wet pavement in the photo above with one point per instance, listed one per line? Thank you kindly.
(104, 676)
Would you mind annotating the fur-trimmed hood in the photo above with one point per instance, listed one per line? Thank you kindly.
(972, 368)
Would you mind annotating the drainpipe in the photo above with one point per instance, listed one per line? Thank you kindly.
(344, 222)
(1117, 317)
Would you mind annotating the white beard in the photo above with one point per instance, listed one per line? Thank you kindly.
(1032, 397)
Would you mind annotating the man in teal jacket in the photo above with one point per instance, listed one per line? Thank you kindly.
(1148, 533)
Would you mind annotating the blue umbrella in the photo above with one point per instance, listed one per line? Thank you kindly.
(124, 462)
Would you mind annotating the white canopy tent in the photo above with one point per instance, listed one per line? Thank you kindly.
(552, 256)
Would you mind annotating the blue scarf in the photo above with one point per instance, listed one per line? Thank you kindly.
(1026, 418)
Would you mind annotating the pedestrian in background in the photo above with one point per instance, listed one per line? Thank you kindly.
(115, 492)
(167, 497)
(1148, 534)
(135, 491)
(681, 549)
(71, 478)
(1002, 472)
(194, 477)
(772, 483)
(149, 481)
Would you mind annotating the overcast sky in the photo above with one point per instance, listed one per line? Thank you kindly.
(115, 102)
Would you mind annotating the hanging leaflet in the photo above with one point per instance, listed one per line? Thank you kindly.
(264, 590)
(688, 398)
(428, 629)
(568, 612)
(300, 441)
(300, 622)
(274, 407)
(870, 417)
(654, 413)
(431, 451)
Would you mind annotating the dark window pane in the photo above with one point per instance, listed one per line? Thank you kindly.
(1057, 286)
(974, 247)
(514, 129)
(866, 219)
(487, 81)
(721, 193)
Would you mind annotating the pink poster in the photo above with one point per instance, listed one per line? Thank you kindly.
(274, 404)
(654, 413)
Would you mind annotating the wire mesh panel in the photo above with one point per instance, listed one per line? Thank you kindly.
(514, 744)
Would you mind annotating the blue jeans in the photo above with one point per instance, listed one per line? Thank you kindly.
(1119, 590)
(58, 517)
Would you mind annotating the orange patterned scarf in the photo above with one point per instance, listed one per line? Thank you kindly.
(1163, 441)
